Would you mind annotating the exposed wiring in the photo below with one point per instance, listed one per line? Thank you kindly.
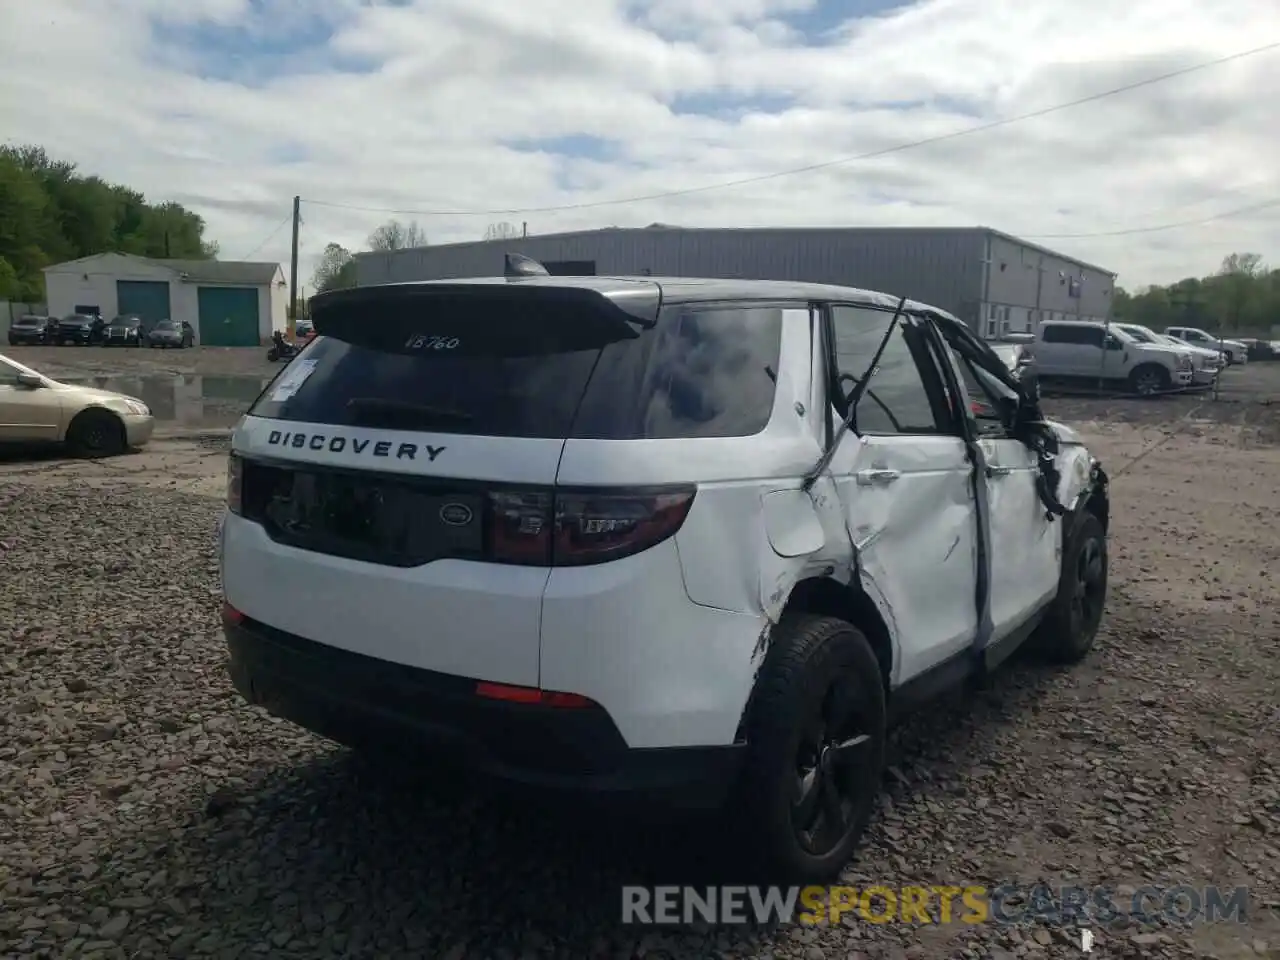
(809, 168)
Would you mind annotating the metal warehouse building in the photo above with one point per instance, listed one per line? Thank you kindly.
(993, 281)
(228, 303)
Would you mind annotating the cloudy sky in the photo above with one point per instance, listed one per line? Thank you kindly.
(232, 107)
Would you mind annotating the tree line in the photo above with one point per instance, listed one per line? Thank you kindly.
(337, 267)
(1242, 295)
(50, 213)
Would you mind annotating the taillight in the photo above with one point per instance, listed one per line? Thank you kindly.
(579, 527)
(594, 527)
(519, 527)
(235, 484)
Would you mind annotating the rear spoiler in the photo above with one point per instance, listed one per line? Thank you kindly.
(490, 319)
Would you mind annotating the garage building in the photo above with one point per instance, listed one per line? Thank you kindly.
(991, 280)
(228, 303)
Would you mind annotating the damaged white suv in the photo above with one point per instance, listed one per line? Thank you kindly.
(686, 540)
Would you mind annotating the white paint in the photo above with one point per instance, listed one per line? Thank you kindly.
(918, 537)
(92, 281)
(489, 632)
(1025, 544)
(792, 523)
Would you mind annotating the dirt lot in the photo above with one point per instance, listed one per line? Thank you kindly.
(144, 812)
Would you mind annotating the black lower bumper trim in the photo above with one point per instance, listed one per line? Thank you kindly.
(392, 709)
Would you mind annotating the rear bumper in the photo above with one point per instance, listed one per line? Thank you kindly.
(362, 701)
(25, 336)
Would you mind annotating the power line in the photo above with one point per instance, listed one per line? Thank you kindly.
(267, 239)
(1239, 211)
(795, 171)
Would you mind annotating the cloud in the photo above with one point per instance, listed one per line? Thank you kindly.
(234, 106)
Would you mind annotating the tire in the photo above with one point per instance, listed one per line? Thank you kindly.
(817, 669)
(273, 355)
(1149, 379)
(96, 433)
(1070, 626)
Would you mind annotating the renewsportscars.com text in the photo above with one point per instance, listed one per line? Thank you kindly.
(941, 903)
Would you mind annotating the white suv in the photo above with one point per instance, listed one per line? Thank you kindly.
(1084, 350)
(1233, 350)
(1207, 363)
(657, 538)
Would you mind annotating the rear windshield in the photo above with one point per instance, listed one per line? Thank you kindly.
(701, 371)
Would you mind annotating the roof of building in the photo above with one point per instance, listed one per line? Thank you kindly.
(224, 271)
(670, 228)
(250, 272)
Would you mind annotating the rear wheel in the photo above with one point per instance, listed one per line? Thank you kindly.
(1069, 628)
(96, 433)
(816, 742)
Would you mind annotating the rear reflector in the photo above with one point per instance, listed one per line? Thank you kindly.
(230, 614)
(531, 695)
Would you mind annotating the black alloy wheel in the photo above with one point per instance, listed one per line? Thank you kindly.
(831, 760)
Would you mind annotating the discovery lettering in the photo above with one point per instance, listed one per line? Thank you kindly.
(337, 444)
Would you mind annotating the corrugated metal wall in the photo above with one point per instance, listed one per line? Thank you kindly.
(941, 267)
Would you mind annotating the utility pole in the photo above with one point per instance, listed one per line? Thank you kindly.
(293, 269)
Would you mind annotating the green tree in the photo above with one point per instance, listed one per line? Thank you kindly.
(336, 269)
(49, 213)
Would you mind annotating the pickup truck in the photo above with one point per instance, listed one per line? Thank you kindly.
(1233, 350)
(1089, 351)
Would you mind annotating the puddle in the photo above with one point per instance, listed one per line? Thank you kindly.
(193, 400)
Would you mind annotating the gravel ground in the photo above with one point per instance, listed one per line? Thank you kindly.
(146, 813)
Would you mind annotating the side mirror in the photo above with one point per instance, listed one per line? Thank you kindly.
(30, 380)
(1114, 344)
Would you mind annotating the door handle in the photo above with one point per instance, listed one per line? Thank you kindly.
(999, 471)
(867, 478)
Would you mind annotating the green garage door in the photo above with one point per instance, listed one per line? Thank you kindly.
(228, 316)
(146, 298)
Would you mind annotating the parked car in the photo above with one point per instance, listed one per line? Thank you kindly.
(171, 333)
(80, 329)
(1260, 349)
(35, 409)
(1081, 350)
(1206, 364)
(1234, 350)
(127, 330)
(1017, 350)
(31, 329)
(650, 537)
(303, 330)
